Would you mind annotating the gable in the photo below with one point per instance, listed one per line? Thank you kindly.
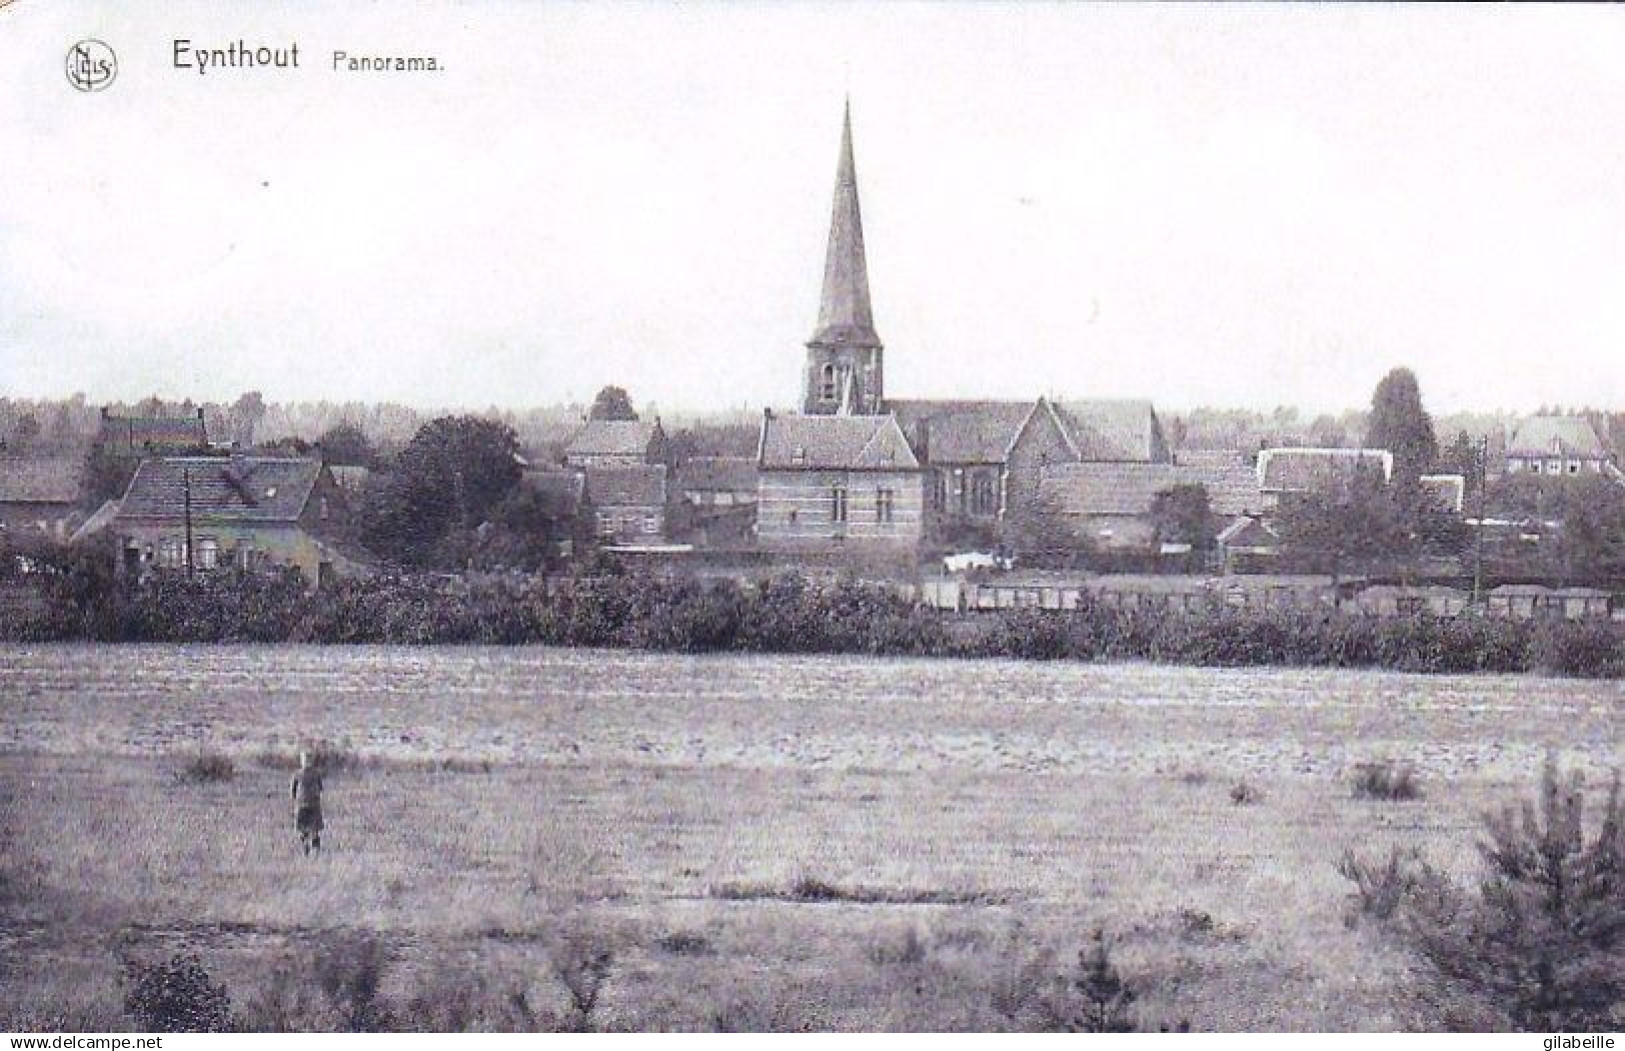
(851, 443)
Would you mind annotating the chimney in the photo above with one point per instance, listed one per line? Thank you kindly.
(200, 412)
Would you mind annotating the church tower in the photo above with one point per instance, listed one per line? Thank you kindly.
(844, 369)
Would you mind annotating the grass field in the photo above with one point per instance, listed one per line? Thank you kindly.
(972, 822)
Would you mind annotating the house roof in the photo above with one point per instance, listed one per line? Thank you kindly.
(1131, 488)
(1305, 470)
(635, 485)
(1113, 430)
(560, 493)
(717, 473)
(962, 432)
(239, 488)
(1556, 436)
(152, 434)
(41, 480)
(612, 438)
(1247, 531)
(851, 443)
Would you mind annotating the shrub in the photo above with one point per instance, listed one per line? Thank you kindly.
(1095, 999)
(175, 997)
(1540, 939)
(207, 768)
(1385, 780)
(583, 962)
(350, 971)
(1243, 793)
(1381, 887)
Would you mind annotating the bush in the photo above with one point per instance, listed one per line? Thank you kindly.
(1539, 941)
(175, 997)
(1244, 794)
(207, 768)
(1381, 888)
(1384, 780)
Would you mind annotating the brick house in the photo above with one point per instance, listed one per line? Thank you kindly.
(837, 483)
(251, 512)
(1557, 445)
(630, 503)
(616, 443)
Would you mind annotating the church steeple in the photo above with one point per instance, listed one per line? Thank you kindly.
(844, 354)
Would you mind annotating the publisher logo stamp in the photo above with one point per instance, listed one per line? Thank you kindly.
(91, 65)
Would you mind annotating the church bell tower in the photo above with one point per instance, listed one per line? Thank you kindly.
(844, 373)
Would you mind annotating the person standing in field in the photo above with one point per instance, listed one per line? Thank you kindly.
(306, 791)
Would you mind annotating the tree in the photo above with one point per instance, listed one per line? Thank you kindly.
(1327, 530)
(246, 414)
(347, 444)
(612, 403)
(1542, 939)
(1038, 533)
(1400, 425)
(1182, 515)
(26, 433)
(446, 482)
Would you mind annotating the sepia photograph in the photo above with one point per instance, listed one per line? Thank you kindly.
(654, 517)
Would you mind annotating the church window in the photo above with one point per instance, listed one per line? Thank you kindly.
(826, 383)
(837, 503)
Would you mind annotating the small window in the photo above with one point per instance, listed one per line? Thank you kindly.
(1574, 468)
(837, 503)
(826, 383)
(171, 552)
(206, 552)
(323, 511)
(885, 501)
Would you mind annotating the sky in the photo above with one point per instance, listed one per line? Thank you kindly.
(1237, 206)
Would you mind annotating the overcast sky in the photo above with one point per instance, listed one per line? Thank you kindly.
(1237, 206)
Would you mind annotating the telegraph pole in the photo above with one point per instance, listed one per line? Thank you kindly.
(186, 490)
(1478, 539)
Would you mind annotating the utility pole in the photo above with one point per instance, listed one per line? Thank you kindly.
(1478, 539)
(186, 489)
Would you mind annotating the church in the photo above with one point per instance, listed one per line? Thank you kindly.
(858, 471)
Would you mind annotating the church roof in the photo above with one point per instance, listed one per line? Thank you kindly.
(844, 313)
(852, 443)
(962, 432)
(1123, 430)
(1555, 436)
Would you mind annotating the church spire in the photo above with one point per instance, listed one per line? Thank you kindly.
(844, 315)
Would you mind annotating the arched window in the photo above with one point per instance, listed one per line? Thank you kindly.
(826, 383)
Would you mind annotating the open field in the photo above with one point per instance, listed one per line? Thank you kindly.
(666, 807)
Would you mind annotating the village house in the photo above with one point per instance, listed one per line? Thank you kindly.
(629, 504)
(137, 437)
(1557, 445)
(253, 512)
(616, 443)
(1109, 504)
(40, 496)
(837, 483)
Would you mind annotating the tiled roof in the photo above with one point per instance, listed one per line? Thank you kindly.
(853, 443)
(612, 438)
(1307, 470)
(152, 434)
(638, 485)
(1131, 488)
(560, 493)
(241, 488)
(1113, 430)
(1247, 531)
(41, 480)
(1555, 436)
(717, 474)
(962, 432)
